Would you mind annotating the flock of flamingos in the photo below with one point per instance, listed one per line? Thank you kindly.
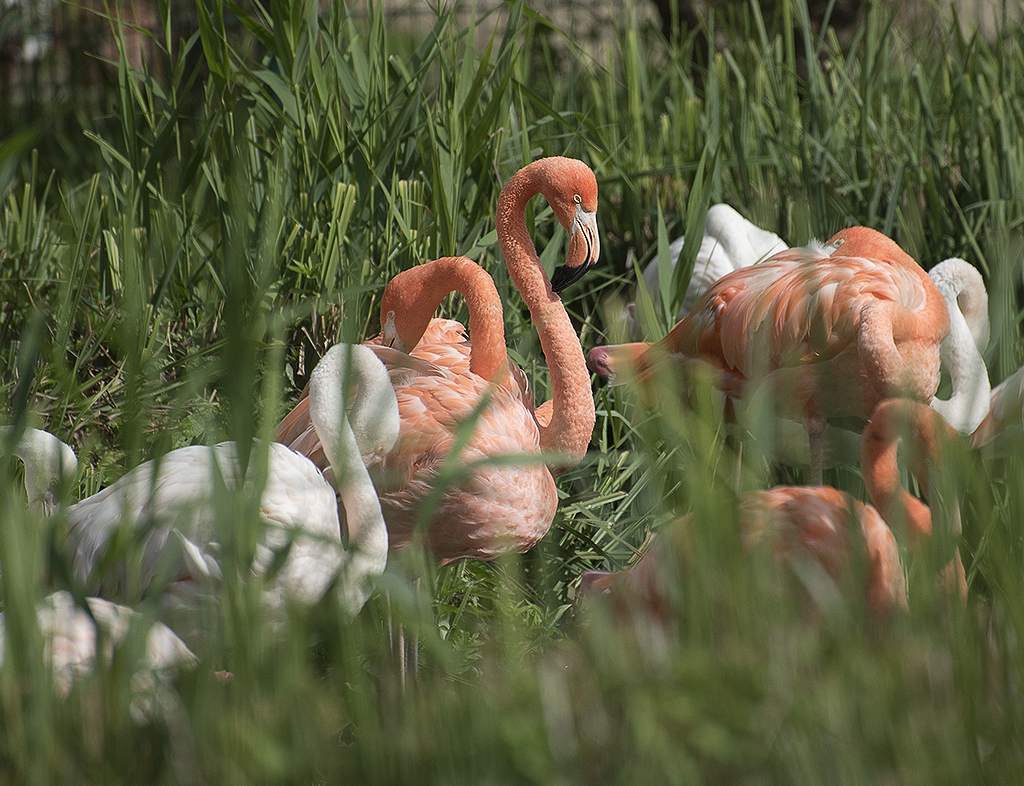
(421, 434)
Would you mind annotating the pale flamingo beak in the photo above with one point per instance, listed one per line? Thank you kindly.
(583, 252)
(390, 334)
(612, 359)
(599, 362)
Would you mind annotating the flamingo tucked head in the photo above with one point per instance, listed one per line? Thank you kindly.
(570, 188)
(868, 243)
(407, 307)
(412, 297)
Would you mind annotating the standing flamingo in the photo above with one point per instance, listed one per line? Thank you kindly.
(826, 330)
(963, 289)
(485, 507)
(171, 500)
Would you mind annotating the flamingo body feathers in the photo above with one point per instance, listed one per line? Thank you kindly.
(170, 503)
(471, 445)
(70, 639)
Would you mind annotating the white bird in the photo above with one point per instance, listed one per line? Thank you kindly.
(730, 242)
(963, 289)
(69, 638)
(1001, 433)
(48, 463)
(169, 504)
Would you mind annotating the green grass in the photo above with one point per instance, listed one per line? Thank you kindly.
(244, 206)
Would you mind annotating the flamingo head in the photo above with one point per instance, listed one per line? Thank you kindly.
(571, 189)
(411, 298)
(407, 307)
(869, 243)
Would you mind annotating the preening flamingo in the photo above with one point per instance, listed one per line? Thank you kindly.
(47, 460)
(963, 289)
(171, 501)
(486, 507)
(802, 522)
(826, 330)
(729, 243)
(1002, 429)
(799, 524)
(69, 635)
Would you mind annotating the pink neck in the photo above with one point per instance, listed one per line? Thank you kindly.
(414, 295)
(882, 479)
(572, 416)
(925, 432)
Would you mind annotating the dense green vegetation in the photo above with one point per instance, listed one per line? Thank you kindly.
(174, 279)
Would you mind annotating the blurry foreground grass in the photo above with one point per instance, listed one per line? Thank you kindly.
(244, 213)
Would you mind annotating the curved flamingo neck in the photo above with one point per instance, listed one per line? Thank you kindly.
(924, 429)
(368, 537)
(882, 480)
(47, 460)
(572, 413)
(961, 286)
(414, 295)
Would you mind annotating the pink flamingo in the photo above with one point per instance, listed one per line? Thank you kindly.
(453, 393)
(799, 524)
(826, 330)
(815, 523)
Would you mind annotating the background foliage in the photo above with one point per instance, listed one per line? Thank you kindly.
(171, 269)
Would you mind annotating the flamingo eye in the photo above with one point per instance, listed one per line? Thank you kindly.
(577, 199)
(838, 242)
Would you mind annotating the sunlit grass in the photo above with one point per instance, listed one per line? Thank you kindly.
(247, 206)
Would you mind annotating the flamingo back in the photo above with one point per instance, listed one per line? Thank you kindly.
(493, 508)
(839, 322)
(804, 522)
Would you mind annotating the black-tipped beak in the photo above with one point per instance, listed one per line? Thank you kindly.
(565, 276)
(583, 251)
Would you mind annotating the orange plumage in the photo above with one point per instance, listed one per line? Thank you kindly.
(816, 522)
(828, 330)
(797, 524)
(469, 464)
